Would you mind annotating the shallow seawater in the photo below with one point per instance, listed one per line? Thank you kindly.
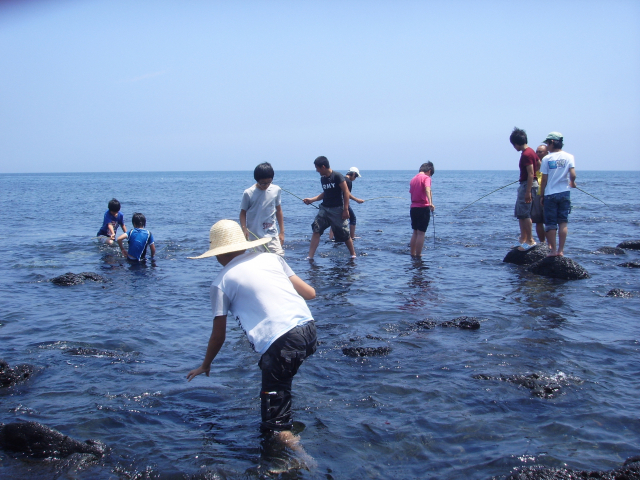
(417, 412)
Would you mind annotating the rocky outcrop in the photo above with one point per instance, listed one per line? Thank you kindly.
(629, 471)
(630, 245)
(11, 376)
(543, 386)
(630, 265)
(69, 278)
(365, 351)
(618, 292)
(39, 441)
(465, 323)
(559, 267)
(527, 257)
(610, 251)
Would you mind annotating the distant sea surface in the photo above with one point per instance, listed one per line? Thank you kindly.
(417, 412)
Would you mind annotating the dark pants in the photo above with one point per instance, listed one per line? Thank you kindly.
(279, 364)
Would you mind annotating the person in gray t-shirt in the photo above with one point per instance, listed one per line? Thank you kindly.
(260, 208)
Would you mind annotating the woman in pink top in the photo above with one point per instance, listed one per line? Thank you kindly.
(421, 206)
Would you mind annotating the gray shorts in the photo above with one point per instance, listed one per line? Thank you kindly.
(522, 209)
(331, 217)
(275, 247)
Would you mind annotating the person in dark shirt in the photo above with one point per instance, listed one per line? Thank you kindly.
(350, 177)
(528, 189)
(334, 209)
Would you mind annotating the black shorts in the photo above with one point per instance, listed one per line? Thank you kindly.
(420, 217)
(279, 364)
(352, 217)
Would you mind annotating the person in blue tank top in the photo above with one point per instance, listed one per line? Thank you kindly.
(139, 239)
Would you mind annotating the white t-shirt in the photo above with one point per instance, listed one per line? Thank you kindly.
(256, 289)
(260, 206)
(556, 165)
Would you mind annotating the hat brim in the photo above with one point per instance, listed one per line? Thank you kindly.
(235, 247)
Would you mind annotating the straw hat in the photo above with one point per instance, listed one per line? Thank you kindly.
(226, 236)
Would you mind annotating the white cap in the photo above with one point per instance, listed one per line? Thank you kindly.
(355, 170)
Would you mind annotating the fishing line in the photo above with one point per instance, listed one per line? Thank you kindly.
(433, 214)
(298, 197)
(591, 195)
(488, 195)
(375, 198)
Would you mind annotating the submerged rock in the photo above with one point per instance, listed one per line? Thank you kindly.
(618, 292)
(365, 351)
(559, 267)
(630, 245)
(540, 385)
(39, 441)
(630, 265)
(467, 323)
(70, 278)
(527, 257)
(12, 376)
(90, 352)
(610, 251)
(629, 471)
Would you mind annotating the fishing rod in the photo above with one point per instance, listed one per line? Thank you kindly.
(298, 197)
(433, 214)
(488, 195)
(591, 195)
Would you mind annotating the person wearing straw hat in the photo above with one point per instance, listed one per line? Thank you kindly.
(268, 300)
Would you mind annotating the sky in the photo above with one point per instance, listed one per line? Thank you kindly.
(188, 85)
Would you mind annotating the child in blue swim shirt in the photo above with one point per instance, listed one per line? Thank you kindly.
(139, 239)
(112, 218)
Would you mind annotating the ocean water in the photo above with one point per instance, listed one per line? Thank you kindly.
(417, 412)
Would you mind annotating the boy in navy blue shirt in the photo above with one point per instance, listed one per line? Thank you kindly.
(139, 239)
(112, 218)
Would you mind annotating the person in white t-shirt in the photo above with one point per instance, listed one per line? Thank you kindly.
(261, 207)
(558, 176)
(267, 299)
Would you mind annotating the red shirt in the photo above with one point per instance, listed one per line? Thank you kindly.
(528, 157)
(418, 189)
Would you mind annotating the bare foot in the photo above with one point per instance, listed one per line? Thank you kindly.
(560, 254)
(552, 254)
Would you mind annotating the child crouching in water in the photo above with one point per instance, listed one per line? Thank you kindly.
(139, 239)
(112, 218)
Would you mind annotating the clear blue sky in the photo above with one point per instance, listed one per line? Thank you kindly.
(223, 85)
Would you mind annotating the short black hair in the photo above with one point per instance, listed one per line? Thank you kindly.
(138, 220)
(321, 161)
(556, 143)
(262, 171)
(114, 205)
(518, 137)
(427, 167)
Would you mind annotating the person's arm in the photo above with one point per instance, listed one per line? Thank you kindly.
(309, 201)
(153, 249)
(543, 185)
(124, 227)
(355, 199)
(572, 177)
(305, 290)
(527, 193)
(431, 205)
(243, 223)
(345, 200)
(120, 241)
(218, 335)
(112, 233)
(280, 218)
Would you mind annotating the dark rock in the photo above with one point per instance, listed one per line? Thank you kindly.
(618, 292)
(630, 245)
(528, 257)
(540, 385)
(12, 376)
(611, 251)
(630, 265)
(426, 324)
(629, 471)
(559, 267)
(69, 278)
(467, 323)
(39, 441)
(365, 351)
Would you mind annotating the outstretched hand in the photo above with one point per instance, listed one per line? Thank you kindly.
(194, 373)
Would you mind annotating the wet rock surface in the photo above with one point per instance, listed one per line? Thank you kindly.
(11, 376)
(610, 251)
(629, 471)
(630, 265)
(618, 292)
(559, 267)
(466, 323)
(69, 278)
(90, 352)
(543, 386)
(39, 441)
(528, 257)
(366, 351)
(630, 245)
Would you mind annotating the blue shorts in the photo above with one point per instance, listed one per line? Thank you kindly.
(557, 207)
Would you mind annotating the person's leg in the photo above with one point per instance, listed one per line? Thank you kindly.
(562, 237)
(540, 232)
(551, 222)
(349, 243)
(313, 246)
(564, 207)
(525, 231)
(330, 233)
(551, 239)
(417, 243)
